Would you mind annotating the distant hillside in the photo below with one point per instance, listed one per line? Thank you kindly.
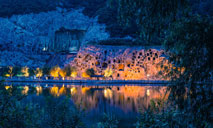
(11, 7)
(24, 36)
(92, 8)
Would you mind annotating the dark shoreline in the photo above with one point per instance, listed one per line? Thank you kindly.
(95, 82)
(164, 82)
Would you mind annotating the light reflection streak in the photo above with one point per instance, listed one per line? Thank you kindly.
(127, 98)
(25, 90)
(38, 90)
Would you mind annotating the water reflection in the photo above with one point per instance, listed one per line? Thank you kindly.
(124, 102)
(127, 98)
(38, 90)
(25, 90)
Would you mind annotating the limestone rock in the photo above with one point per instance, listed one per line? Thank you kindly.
(126, 63)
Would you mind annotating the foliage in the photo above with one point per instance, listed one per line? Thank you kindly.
(3, 71)
(165, 119)
(54, 72)
(152, 18)
(10, 71)
(16, 111)
(187, 38)
(160, 114)
(60, 114)
(189, 42)
(62, 73)
(90, 72)
(25, 71)
(70, 71)
(46, 70)
(108, 121)
(14, 71)
(31, 72)
(38, 72)
(73, 72)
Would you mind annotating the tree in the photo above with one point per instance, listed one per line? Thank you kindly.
(25, 71)
(31, 72)
(15, 113)
(73, 71)
(62, 73)
(90, 72)
(38, 72)
(190, 41)
(152, 18)
(46, 70)
(56, 112)
(10, 71)
(54, 72)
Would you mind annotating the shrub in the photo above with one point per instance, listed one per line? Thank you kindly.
(108, 121)
(56, 112)
(90, 72)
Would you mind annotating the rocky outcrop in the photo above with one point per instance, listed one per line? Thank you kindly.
(30, 34)
(121, 62)
(67, 40)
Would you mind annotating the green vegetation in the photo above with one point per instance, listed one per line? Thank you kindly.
(46, 70)
(150, 18)
(70, 70)
(108, 121)
(90, 72)
(187, 36)
(16, 111)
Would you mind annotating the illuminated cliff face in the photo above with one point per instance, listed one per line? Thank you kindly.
(118, 62)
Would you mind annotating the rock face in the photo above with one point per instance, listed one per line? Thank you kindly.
(67, 40)
(121, 62)
(27, 35)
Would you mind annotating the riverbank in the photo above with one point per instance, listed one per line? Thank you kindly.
(94, 82)
(87, 81)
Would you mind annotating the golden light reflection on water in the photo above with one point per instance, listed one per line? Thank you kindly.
(148, 92)
(38, 90)
(25, 90)
(62, 90)
(7, 87)
(108, 93)
(58, 91)
(85, 89)
(127, 98)
(54, 91)
(73, 90)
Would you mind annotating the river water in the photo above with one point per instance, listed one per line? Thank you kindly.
(124, 102)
